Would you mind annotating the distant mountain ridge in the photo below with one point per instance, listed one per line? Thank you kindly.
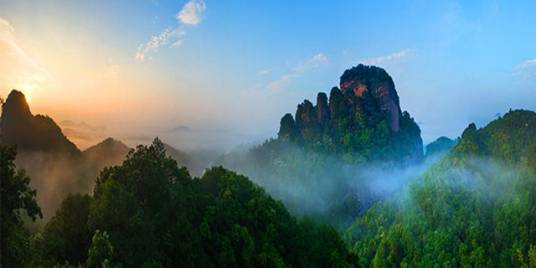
(109, 152)
(440, 146)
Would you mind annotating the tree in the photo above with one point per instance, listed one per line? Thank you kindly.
(18, 199)
(66, 236)
(101, 251)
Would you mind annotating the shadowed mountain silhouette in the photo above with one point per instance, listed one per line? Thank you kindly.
(57, 167)
(109, 152)
(31, 132)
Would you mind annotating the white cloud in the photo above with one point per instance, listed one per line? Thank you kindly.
(265, 71)
(528, 64)
(387, 58)
(298, 70)
(526, 69)
(192, 12)
(170, 36)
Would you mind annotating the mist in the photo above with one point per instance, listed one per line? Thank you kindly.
(54, 176)
(312, 183)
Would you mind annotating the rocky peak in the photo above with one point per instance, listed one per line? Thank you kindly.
(31, 132)
(322, 108)
(363, 114)
(379, 84)
(15, 106)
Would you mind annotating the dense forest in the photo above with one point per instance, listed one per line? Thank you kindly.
(149, 212)
(474, 208)
(346, 183)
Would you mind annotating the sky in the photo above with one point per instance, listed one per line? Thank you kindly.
(218, 74)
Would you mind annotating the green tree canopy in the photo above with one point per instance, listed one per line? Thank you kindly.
(18, 200)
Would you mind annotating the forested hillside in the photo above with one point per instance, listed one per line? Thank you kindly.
(148, 212)
(337, 157)
(475, 208)
(352, 202)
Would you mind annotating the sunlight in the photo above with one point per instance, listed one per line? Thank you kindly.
(28, 89)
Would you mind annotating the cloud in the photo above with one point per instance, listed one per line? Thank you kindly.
(170, 36)
(387, 58)
(265, 71)
(190, 14)
(19, 70)
(82, 133)
(312, 63)
(83, 126)
(526, 69)
(528, 64)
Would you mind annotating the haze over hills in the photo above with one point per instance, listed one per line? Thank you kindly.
(440, 146)
(336, 158)
(205, 133)
(32, 132)
(353, 161)
(57, 167)
(473, 208)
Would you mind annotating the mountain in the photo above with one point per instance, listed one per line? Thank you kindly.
(182, 158)
(362, 121)
(511, 138)
(32, 132)
(335, 158)
(149, 212)
(439, 146)
(473, 208)
(109, 152)
(54, 163)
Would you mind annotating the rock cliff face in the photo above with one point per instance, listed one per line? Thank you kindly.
(361, 79)
(361, 121)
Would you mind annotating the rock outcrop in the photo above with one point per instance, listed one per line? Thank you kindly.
(362, 79)
(361, 120)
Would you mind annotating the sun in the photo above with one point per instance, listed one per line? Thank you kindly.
(27, 89)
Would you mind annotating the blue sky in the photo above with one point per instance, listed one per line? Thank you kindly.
(235, 67)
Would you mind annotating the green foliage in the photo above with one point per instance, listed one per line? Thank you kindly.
(440, 146)
(356, 127)
(475, 208)
(509, 139)
(153, 214)
(316, 162)
(101, 250)
(17, 201)
(66, 236)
